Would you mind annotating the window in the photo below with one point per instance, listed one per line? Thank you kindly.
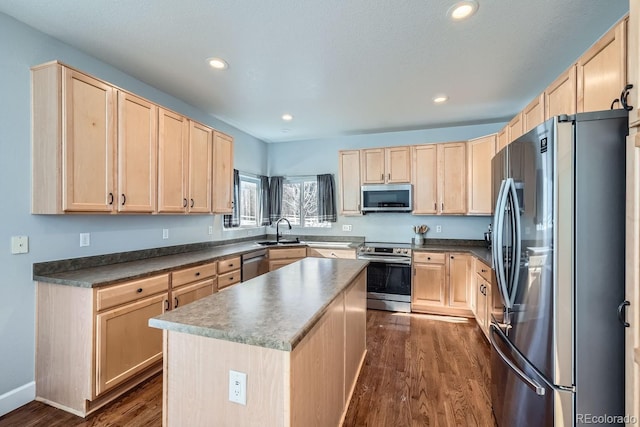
(249, 201)
(300, 202)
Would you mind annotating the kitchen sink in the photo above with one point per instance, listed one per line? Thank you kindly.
(281, 242)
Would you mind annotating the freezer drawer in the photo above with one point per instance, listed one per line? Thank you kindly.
(524, 399)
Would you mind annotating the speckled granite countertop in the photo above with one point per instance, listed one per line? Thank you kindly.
(482, 252)
(274, 310)
(120, 270)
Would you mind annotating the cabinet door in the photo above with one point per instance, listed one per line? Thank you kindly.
(502, 139)
(488, 308)
(602, 71)
(89, 144)
(173, 151)
(137, 148)
(429, 285)
(459, 280)
(125, 344)
(560, 96)
(533, 114)
(200, 159)
(279, 263)
(372, 164)
(480, 151)
(452, 178)
(481, 302)
(398, 164)
(349, 168)
(190, 293)
(515, 128)
(222, 198)
(425, 179)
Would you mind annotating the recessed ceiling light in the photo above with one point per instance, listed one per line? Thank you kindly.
(462, 10)
(287, 117)
(218, 64)
(439, 99)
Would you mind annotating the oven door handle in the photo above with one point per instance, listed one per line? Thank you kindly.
(385, 260)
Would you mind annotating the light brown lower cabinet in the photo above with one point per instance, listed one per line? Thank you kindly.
(190, 293)
(93, 344)
(441, 283)
(279, 257)
(229, 272)
(484, 296)
(331, 253)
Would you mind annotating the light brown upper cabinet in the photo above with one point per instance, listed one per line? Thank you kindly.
(502, 139)
(349, 170)
(533, 114)
(74, 142)
(425, 179)
(173, 152)
(515, 128)
(439, 178)
(200, 160)
(633, 69)
(602, 71)
(222, 200)
(560, 96)
(480, 151)
(389, 165)
(108, 139)
(137, 148)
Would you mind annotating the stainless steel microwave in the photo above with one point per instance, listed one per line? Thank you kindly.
(387, 198)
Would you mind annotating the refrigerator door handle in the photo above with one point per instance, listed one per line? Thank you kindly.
(540, 391)
(516, 233)
(497, 251)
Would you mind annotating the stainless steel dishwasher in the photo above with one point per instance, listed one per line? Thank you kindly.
(254, 264)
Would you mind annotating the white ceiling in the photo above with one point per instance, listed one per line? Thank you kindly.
(339, 66)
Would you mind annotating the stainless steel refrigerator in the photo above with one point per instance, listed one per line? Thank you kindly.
(558, 252)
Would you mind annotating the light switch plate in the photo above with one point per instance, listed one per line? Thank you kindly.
(165, 233)
(346, 227)
(85, 239)
(19, 244)
(211, 229)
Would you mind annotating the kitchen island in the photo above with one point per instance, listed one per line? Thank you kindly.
(297, 332)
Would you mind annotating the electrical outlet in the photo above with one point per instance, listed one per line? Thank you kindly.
(346, 227)
(19, 244)
(211, 229)
(438, 229)
(238, 387)
(85, 239)
(165, 233)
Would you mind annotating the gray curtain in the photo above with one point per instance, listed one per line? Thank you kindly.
(264, 200)
(275, 198)
(233, 220)
(326, 199)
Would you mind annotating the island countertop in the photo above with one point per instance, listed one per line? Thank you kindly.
(274, 310)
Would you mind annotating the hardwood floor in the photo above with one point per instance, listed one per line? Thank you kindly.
(422, 371)
(419, 371)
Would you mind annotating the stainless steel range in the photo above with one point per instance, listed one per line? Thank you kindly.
(388, 275)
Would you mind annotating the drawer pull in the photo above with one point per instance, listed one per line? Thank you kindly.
(483, 270)
(231, 278)
(429, 258)
(230, 265)
(166, 305)
(197, 274)
(139, 290)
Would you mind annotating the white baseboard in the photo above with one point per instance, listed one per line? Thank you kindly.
(17, 397)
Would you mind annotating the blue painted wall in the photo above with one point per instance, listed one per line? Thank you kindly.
(321, 156)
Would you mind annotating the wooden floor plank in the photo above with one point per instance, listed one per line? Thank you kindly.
(419, 371)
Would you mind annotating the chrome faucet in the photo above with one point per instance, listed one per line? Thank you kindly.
(278, 227)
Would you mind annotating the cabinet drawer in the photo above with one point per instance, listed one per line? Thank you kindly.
(279, 263)
(228, 279)
(429, 257)
(131, 291)
(484, 271)
(226, 265)
(188, 275)
(331, 253)
(287, 253)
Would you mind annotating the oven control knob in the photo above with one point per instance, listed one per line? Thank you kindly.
(368, 249)
(404, 251)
